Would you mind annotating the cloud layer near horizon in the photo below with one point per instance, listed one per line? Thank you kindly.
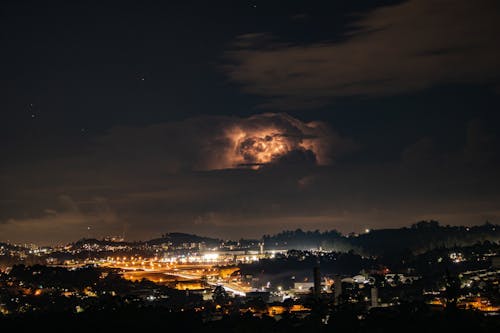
(146, 181)
(395, 49)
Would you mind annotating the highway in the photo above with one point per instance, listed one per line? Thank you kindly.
(182, 271)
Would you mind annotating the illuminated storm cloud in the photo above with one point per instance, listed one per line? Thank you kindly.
(276, 138)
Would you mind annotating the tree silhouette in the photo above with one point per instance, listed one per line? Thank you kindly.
(220, 295)
(452, 285)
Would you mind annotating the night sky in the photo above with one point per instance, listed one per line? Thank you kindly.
(241, 118)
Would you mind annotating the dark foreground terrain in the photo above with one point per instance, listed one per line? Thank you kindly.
(143, 319)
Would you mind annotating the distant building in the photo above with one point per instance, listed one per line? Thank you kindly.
(255, 295)
(116, 239)
(303, 287)
(374, 297)
(206, 294)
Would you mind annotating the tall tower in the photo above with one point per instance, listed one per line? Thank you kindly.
(374, 297)
(317, 281)
(337, 284)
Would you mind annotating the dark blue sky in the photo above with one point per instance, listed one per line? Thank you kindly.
(114, 115)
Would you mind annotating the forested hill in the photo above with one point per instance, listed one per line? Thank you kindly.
(419, 237)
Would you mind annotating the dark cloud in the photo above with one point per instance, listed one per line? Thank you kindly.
(395, 49)
(208, 143)
(155, 179)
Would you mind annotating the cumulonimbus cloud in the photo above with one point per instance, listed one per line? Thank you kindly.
(393, 49)
(220, 142)
(275, 138)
